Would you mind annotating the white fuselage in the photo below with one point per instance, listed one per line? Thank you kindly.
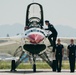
(35, 35)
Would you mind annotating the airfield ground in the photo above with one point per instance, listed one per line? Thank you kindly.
(10, 49)
(39, 72)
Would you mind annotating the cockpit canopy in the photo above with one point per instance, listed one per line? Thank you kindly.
(34, 15)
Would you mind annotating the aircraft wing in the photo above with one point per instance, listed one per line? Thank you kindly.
(10, 44)
(11, 40)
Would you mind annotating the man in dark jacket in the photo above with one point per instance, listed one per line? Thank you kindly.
(53, 35)
(59, 54)
(71, 54)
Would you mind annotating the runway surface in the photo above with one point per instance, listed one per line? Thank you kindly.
(39, 72)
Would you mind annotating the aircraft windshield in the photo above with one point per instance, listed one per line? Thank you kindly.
(34, 13)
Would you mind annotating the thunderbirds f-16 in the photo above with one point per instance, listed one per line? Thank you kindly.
(33, 38)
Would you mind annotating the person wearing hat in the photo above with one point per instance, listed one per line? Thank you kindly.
(59, 54)
(53, 35)
(71, 55)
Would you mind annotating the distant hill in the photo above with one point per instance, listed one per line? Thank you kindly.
(11, 30)
(66, 31)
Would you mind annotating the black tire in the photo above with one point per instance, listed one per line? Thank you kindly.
(34, 67)
(54, 66)
(13, 65)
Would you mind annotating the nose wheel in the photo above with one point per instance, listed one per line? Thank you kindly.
(34, 67)
(34, 63)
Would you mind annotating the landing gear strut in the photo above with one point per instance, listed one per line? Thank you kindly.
(22, 56)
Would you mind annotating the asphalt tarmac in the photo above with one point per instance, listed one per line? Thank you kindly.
(38, 72)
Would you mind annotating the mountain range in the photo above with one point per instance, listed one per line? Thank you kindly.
(12, 30)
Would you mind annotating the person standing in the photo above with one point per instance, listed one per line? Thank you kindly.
(53, 35)
(59, 54)
(71, 55)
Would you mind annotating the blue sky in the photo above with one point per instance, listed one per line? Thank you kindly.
(58, 12)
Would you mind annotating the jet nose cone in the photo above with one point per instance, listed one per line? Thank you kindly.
(35, 38)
